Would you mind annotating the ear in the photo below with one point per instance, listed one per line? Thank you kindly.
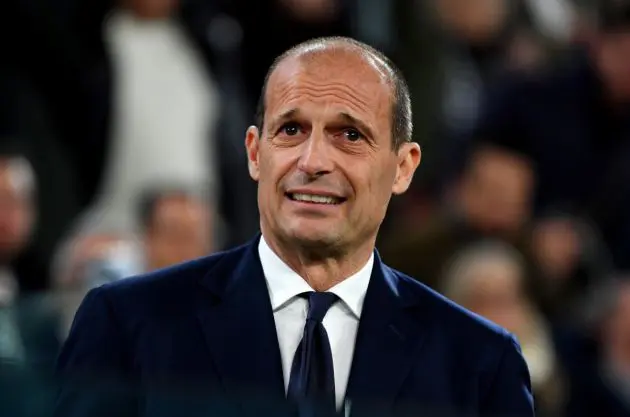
(409, 156)
(252, 146)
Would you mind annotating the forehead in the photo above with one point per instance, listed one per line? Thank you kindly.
(329, 83)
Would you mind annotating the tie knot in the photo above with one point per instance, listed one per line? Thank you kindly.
(318, 304)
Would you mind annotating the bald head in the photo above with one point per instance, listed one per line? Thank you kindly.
(325, 53)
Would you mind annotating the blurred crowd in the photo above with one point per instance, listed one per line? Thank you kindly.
(121, 151)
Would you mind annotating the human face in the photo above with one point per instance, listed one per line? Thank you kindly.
(324, 161)
(180, 231)
(497, 191)
(496, 294)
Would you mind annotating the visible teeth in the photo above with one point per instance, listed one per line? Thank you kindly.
(321, 199)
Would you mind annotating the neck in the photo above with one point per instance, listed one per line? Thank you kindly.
(321, 269)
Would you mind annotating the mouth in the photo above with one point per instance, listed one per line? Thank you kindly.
(315, 198)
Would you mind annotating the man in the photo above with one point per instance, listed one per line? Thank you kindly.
(139, 34)
(91, 52)
(489, 278)
(451, 50)
(91, 256)
(27, 343)
(223, 335)
(176, 226)
(26, 133)
(17, 217)
(574, 124)
(491, 199)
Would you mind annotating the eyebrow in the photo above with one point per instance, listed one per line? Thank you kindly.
(346, 117)
(287, 115)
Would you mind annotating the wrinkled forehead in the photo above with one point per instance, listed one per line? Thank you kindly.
(338, 79)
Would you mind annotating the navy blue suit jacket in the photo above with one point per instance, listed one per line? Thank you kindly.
(199, 339)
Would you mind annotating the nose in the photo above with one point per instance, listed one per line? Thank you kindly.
(315, 159)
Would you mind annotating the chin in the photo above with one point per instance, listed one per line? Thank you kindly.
(315, 238)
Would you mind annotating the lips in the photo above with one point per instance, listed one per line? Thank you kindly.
(315, 198)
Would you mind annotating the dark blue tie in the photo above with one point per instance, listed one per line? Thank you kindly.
(312, 383)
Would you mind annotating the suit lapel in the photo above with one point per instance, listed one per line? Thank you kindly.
(238, 324)
(388, 341)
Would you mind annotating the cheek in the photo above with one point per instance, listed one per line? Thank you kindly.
(274, 165)
(378, 188)
(271, 173)
(382, 179)
(267, 175)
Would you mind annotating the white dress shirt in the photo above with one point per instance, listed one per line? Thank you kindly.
(289, 311)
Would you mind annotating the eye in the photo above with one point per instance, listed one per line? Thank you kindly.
(290, 129)
(353, 135)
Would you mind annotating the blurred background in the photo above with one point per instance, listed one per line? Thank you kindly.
(121, 151)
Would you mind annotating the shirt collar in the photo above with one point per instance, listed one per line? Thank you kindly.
(284, 284)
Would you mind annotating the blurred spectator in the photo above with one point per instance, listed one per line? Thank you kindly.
(17, 218)
(570, 259)
(17, 215)
(451, 51)
(489, 279)
(492, 198)
(92, 259)
(602, 387)
(177, 226)
(63, 108)
(27, 131)
(26, 339)
(91, 256)
(574, 122)
(165, 108)
(64, 50)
